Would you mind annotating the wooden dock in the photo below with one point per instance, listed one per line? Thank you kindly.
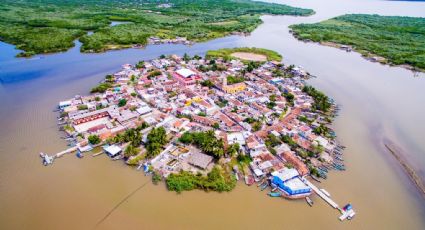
(321, 194)
(66, 151)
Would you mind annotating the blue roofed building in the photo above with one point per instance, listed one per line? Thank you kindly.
(289, 182)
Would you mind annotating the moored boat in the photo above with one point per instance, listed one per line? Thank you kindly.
(325, 192)
(309, 201)
(274, 194)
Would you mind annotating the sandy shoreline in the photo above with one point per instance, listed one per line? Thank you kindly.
(414, 177)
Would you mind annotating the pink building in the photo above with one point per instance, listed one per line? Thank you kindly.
(186, 77)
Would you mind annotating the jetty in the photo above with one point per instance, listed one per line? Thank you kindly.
(322, 195)
(66, 151)
(347, 211)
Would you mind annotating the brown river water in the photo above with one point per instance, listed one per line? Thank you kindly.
(377, 102)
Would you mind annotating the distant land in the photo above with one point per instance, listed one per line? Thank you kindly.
(387, 39)
(48, 26)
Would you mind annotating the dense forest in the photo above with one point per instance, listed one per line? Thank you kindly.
(43, 26)
(400, 40)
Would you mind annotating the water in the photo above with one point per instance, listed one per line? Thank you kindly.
(377, 101)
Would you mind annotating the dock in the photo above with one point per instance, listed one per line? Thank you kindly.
(322, 195)
(66, 151)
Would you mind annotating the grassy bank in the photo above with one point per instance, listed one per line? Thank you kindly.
(217, 180)
(227, 53)
(46, 26)
(399, 40)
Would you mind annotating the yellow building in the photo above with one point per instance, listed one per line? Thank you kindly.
(234, 88)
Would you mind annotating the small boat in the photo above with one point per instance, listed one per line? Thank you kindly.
(264, 186)
(145, 168)
(325, 192)
(249, 180)
(274, 194)
(79, 154)
(309, 201)
(315, 178)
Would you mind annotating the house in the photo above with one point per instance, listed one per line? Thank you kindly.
(186, 77)
(112, 150)
(288, 181)
(200, 160)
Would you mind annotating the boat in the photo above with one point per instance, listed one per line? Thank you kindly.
(249, 180)
(309, 201)
(79, 154)
(145, 167)
(274, 194)
(325, 192)
(315, 178)
(264, 186)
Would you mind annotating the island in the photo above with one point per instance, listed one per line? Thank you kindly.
(205, 123)
(385, 39)
(48, 26)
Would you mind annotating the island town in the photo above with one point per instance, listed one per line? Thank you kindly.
(207, 122)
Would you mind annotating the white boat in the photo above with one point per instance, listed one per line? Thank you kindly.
(325, 192)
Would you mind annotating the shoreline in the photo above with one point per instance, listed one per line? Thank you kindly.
(396, 152)
(364, 53)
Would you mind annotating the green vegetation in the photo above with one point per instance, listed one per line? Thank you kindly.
(157, 138)
(156, 177)
(227, 53)
(101, 88)
(135, 160)
(206, 141)
(131, 151)
(289, 98)
(45, 26)
(233, 80)
(400, 40)
(207, 83)
(94, 139)
(82, 107)
(217, 180)
(321, 101)
(154, 74)
(122, 102)
(130, 135)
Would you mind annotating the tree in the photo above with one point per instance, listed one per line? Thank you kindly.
(216, 126)
(186, 57)
(156, 140)
(186, 138)
(131, 151)
(256, 126)
(94, 139)
(122, 102)
(140, 65)
(233, 149)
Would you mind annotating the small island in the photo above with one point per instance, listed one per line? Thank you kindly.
(47, 26)
(205, 123)
(385, 39)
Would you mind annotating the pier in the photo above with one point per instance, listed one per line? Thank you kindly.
(66, 151)
(322, 195)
